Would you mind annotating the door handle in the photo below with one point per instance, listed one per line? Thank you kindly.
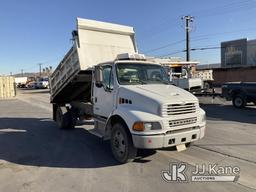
(95, 99)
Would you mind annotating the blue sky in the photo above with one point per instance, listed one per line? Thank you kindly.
(33, 31)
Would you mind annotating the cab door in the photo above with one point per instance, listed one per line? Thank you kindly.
(104, 95)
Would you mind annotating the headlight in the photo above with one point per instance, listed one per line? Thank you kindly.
(146, 126)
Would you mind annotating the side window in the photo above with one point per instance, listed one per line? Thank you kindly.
(107, 77)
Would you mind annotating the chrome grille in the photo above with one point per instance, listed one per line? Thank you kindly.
(179, 122)
(178, 109)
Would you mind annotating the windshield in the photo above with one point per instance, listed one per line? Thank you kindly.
(138, 73)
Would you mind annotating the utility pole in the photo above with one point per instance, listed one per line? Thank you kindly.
(188, 19)
(22, 72)
(40, 69)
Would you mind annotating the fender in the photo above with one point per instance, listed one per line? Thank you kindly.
(129, 115)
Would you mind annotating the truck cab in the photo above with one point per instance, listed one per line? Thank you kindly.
(135, 106)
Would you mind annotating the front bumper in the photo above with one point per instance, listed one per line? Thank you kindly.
(168, 140)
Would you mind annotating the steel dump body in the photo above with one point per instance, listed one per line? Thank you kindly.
(95, 42)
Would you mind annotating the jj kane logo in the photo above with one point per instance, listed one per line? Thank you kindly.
(178, 172)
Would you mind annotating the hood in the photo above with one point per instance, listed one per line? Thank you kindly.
(163, 93)
(150, 98)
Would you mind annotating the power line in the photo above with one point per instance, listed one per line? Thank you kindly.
(205, 13)
(218, 10)
(35, 66)
(228, 6)
(244, 6)
(171, 44)
(228, 32)
(206, 48)
(170, 54)
(197, 38)
(164, 21)
(164, 46)
(222, 47)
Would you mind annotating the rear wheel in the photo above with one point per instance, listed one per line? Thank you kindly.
(65, 118)
(239, 101)
(121, 144)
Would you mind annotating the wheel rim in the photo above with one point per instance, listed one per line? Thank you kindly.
(119, 143)
(238, 101)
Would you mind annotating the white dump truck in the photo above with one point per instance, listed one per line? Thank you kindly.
(129, 98)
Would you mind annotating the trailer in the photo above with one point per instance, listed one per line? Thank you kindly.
(129, 98)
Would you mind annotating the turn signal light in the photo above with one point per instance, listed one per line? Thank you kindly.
(138, 126)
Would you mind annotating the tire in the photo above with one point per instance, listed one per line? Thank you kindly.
(188, 144)
(72, 119)
(65, 118)
(206, 86)
(121, 144)
(239, 101)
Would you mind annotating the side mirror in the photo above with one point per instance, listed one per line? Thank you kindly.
(98, 76)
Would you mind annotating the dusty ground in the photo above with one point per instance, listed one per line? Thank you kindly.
(36, 156)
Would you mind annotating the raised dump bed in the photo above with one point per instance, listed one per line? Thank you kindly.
(94, 42)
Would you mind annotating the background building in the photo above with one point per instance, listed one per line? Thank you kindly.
(251, 52)
(238, 53)
(238, 63)
(208, 66)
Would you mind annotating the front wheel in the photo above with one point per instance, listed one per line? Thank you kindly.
(121, 144)
(188, 144)
(239, 101)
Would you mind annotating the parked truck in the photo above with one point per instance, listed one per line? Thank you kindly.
(240, 93)
(130, 99)
(21, 82)
(180, 74)
(207, 77)
(42, 83)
